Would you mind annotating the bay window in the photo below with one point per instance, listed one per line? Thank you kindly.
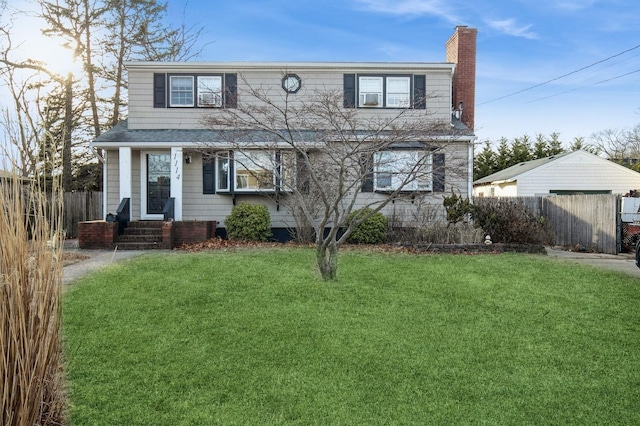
(254, 171)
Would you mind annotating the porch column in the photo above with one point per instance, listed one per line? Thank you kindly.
(176, 180)
(125, 173)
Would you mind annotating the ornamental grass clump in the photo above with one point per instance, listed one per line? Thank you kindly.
(30, 283)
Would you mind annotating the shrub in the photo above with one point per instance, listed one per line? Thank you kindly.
(457, 207)
(372, 231)
(249, 222)
(510, 222)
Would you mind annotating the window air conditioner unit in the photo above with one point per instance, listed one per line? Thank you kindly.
(209, 99)
(371, 99)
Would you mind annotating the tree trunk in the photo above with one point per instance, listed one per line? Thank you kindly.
(327, 258)
(67, 177)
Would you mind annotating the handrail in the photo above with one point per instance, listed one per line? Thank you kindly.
(123, 214)
(169, 209)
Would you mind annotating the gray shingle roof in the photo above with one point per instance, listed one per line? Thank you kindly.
(512, 172)
(121, 134)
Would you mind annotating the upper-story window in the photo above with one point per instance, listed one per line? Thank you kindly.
(370, 93)
(181, 91)
(384, 91)
(380, 92)
(194, 90)
(398, 92)
(209, 91)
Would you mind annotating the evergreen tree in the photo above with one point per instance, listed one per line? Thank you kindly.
(485, 162)
(504, 154)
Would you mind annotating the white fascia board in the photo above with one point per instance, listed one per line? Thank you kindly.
(281, 66)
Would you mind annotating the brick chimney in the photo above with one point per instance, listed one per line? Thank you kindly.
(461, 50)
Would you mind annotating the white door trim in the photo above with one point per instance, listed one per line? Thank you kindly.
(143, 185)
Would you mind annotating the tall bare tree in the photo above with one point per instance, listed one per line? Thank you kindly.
(620, 145)
(102, 34)
(334, 150)
(138, 30)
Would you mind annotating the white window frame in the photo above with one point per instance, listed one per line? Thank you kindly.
(366, 89)
(388, 92)
(209, 85)
(181, 90)
(222, 162)
(411, 169)
(398, 97)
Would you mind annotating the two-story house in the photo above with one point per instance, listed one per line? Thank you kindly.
(166, 161)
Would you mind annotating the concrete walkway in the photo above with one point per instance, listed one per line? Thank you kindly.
(97, 259)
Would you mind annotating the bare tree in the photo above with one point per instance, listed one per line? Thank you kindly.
(102, 35)
(620, 145)
(328, 154)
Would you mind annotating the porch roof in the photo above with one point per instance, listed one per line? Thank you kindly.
(121, 136)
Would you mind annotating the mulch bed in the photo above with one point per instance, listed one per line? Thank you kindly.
(220, 244)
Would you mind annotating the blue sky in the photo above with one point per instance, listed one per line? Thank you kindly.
(521, 43)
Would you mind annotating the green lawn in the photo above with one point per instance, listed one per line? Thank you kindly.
(256, 337)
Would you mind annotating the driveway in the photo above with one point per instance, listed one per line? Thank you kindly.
(623, 262)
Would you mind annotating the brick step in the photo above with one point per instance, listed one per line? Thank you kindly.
(140, 238)
(142, 231)
(156, 224)
(140, 246)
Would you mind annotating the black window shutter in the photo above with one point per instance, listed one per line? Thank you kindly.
(231, 90)
(349, 90)
(303, 180)
(209, 176)
(419, 91)
(159, 90)
(366, 163)
(438, 172)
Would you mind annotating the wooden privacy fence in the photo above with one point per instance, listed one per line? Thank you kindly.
(79, 207)
(590, 221)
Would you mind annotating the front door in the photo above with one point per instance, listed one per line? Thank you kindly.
(156, 184)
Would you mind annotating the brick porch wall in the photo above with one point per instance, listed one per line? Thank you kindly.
(193, 231)
(97, 234)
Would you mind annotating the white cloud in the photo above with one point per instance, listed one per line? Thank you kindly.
(573, 5)
(439, 8)
(512, 28)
